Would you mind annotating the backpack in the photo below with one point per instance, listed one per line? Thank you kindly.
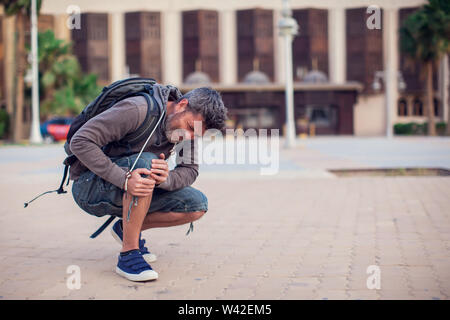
(109, 96)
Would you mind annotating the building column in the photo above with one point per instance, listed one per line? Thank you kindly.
(172, 48)
(9, 26)
(61, 30)
(336, 45)
(279, 50)
(390, 60)
(117, 45)
(228, 47)
(444, 87)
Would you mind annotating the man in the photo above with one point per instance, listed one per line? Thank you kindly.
(156, 196)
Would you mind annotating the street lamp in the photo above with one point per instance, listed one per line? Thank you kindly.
(376, 85)
(35, 135)
(288, 28)
(379, 75)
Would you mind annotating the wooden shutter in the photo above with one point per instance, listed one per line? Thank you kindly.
(411, 70)
(45, 22)
(90, 44)
(312, 41)
(364, 48)
(255, 41)
(201, 42)
(143, 43)
(2, 64)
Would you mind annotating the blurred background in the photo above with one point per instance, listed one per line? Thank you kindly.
(342, 56)
(364, 184)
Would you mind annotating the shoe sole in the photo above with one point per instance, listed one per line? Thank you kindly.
(144, 276)
(148, 257)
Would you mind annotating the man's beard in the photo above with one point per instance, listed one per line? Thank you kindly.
(170, 132)
(172, 138)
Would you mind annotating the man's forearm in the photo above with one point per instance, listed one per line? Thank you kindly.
(93, 158)
(180, 177)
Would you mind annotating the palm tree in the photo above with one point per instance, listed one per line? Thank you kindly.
(425, 37)
(67, 90)
(21, 9)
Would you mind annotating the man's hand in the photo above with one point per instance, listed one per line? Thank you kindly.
(160, 169)
(139, 186)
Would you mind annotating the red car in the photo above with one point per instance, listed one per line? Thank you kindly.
(56, 129)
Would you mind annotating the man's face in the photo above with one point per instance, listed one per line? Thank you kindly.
(180, 122)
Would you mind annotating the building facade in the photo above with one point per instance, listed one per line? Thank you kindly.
(234, 46)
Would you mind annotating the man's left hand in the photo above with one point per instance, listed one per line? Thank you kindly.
(160, 169)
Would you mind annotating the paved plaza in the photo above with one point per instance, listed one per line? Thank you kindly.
(303, 233)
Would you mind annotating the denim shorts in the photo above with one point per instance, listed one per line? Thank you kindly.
(99, 197)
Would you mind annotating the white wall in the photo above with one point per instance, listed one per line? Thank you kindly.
(369, 116)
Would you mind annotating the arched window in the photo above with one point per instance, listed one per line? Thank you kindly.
(436, 107)
(402, 107)
(418, 107)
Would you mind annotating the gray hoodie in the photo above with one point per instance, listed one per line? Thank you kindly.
(112, 125)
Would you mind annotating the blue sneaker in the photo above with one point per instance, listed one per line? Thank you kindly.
(117, 233)
(133, 267)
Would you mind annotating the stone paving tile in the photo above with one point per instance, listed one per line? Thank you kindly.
(312, 238)
(333, 283)
(212, 288)
(331, 295)
(364, 294)
(299, 294)
(271, 288)
(428, 295)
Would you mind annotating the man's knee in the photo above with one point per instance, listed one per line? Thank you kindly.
(198, 202)
(196, 215)
(144, 161)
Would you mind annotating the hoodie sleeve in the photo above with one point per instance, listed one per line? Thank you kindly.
(186, 170)
(110, 125)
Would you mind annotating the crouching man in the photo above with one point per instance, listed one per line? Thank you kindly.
(152, 196)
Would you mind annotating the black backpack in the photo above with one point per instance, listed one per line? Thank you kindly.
(109, 96)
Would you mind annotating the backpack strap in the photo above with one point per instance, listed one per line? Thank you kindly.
(102, 227)
(58, 191)
(154, 110)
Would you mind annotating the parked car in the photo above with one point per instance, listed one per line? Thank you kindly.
(56, 129)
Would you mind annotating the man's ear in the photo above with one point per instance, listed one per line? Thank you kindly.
(182, 105)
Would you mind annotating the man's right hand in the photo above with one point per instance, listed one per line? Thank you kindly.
(139, 186)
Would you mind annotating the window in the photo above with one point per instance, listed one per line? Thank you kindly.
(436, 106)
(321, 116)
(402, 107)
(418, 107)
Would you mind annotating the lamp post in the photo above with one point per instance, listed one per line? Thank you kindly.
(35, 135)
(376, 85)
(288, 29)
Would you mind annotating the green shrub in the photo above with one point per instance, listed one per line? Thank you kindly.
(65, 88)
(413, 128)
(441, 128)
(4, 123)
(402, 128)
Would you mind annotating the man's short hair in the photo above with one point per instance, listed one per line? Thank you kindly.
(209, 104)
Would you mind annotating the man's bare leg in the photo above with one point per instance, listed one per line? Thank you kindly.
(170, 219)
(132, 228)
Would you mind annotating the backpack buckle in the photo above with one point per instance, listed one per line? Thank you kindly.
(149, 89)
